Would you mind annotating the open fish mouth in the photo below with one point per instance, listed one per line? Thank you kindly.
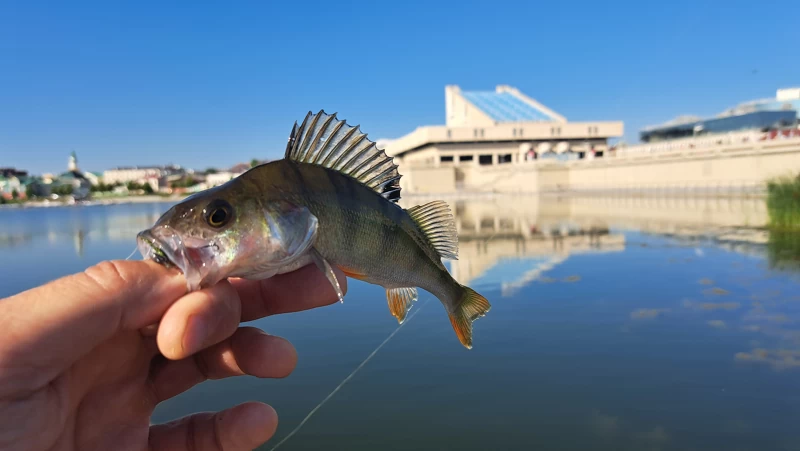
(156, 249)
(195, 258)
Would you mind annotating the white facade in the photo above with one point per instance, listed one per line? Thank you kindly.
(136, 174)
(219, 178)
(787, 94)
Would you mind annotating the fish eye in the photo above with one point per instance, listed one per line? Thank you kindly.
(218, 213)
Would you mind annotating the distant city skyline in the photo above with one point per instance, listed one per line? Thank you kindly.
(211, 87)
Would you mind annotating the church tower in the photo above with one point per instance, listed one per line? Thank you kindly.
(73, 162)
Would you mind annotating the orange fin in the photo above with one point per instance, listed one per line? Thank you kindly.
(471, 307)
(400, 300)
(353, 273)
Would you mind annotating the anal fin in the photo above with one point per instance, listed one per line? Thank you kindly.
(400, 300)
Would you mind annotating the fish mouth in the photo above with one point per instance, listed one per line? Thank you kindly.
(156, 249)
(166, 247)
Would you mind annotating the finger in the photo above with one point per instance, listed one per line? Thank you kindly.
(249, 351)
(50, 326)
(303, 289)
(241, 428)
(198, 320)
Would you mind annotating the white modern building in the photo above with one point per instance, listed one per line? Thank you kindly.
(500, 127)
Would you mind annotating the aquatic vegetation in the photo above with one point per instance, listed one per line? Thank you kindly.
(783, 203)
(783, 250)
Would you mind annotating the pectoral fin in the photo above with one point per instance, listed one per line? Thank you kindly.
(400, 300)
(292, 232)
(326, 269)
(292, 229)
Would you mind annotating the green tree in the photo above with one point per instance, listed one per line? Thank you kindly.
(30, 192)
(253, 163)
(211, 171)
(147, 188)
(15, 194)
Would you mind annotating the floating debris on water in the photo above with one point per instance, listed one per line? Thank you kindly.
(779, 359)
(717, 291)
(645, 313)
(572, 279)
(717, 323)
(711, 305)
(706, 282)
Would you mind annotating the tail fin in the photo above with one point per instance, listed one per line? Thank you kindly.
(470, 307)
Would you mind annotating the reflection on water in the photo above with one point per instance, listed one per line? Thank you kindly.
(617, 324)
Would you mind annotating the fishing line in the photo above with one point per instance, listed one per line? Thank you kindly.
(314, 410)
(134, 251)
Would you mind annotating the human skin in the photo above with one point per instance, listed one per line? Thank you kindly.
(85, 359)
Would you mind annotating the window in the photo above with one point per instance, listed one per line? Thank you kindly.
(449, 134)
(465, 158)
(446, 159)
(481, 133)
(485, 159)
(515, 132)
(505, 158)
(520, 133)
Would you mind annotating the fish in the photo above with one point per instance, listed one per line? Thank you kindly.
(331, 201)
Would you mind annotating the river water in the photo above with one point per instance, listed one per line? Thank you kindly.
(617, 324)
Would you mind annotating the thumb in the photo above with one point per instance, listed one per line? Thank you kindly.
(49, 327)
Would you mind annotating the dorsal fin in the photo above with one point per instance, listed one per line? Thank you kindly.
(438, 224)
(326, 141)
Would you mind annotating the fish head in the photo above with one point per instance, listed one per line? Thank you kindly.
(223, 232)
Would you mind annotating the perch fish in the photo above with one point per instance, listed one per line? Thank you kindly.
(331, 201)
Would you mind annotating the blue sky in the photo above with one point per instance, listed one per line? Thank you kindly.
(212, 84)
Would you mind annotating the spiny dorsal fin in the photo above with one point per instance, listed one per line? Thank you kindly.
(439, 226)
(323, 140)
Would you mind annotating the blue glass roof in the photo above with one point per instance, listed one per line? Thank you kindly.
(504, 106)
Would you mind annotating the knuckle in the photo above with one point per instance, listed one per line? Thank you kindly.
(108, 275)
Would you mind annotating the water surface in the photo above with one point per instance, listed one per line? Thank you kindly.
(619, 324)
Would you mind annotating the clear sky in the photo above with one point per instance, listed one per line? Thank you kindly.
(212, 84)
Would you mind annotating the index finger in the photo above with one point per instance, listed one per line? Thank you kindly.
(303, 289)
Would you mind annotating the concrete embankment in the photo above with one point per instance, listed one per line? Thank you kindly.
(736, 169)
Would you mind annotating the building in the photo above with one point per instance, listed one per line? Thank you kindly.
(157, 177)
(487, 129)
(500, 127)
(11, 187)
(12, 172)
(754, 116)
(73, 181)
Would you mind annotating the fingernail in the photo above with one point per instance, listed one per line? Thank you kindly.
(195, 335)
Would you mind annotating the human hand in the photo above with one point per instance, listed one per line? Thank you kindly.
(85, 359)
